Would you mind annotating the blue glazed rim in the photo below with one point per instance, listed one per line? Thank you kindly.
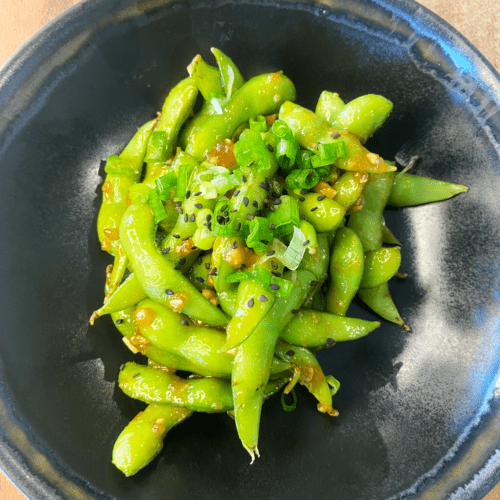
(477, 453)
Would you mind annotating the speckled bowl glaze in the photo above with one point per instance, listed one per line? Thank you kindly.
(419, 412)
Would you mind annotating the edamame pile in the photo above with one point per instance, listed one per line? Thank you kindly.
(241, 232)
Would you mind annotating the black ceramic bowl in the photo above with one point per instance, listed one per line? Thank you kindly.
(418, 411)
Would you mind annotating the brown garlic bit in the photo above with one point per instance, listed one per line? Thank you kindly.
(325, 189)
(177, 301)
(210, 295)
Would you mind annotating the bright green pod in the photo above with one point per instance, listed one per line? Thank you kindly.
(329, 105)
(129, 293)
(309, 130)
(409, 189)
(367, 223)
(174, 333)
(153, 385)
(156, 275)
(229, 72)
(142, 439)
(253, 360)
(124, 171)
(380, 266)
(349, 187)
(323, 213)
(253, 303)
(206, 77)
(314, 329)
(363, 116)
(379, 300)
(346, 271)
(262, 95)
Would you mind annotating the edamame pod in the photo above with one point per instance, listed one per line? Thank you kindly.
(379, 300)
(363, 116)
(229, 72)
(349, 187)
(329, 105)
(142, 439)
(262, 95)
(313, 329)
(309, 130)
(380, 266)
(346, 271)
(323, 213)
(409, 189)
(252, 363)
(311, 374)
(367, 223)
(156, 274)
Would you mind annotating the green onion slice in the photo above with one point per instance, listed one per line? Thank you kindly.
(302, 178)
(258, 123)
(251, 152)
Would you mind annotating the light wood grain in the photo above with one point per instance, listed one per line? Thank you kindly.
(478, 21)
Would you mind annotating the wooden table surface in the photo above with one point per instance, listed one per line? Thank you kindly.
(478, 20)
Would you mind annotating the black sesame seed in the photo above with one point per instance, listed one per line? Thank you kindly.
(255, 203)
(277, 201)
(185, 239)
(270, 253)
(314, 208)
(179, 209)
(301, 198)
(224, 208)
(178, 203)
(182, 261)
(238, 227)
(250, 302)
(243, 178)
(135, 374)
(295, 311)
(264, 186)
(233, 211)
(313, 283)
(119, 321)
(192, 217)
(321, 197)
(184, 322)
(250, 216)
(330, 341)
(276, 273)
(263, 298)
(188, 194)
(197, 193)
(289, 353)
(199, 279)
(274, 265)
(274, 286)
(176, 236)
(208, 218)
(235, 244)
(207, 265)
(271, 149)
(185, 217)
(194, 247)
(271, 209)
(177, 267)
(246, 201)
(303, 191)
(236, 193)
(335, 135)
(198, 205)
(165, 250)
(169, 292)
(305, 243)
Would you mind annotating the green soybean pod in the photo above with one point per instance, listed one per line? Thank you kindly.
(363, 116)
(323, 213)
(379, 300)
(329, 105)
(346, 271)
(206, 77)
(409, 189)
(311, 374)
(314, 329)
(349, 187)
(380, 266)
(142, 439)
(261, 95)
(229, 72)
